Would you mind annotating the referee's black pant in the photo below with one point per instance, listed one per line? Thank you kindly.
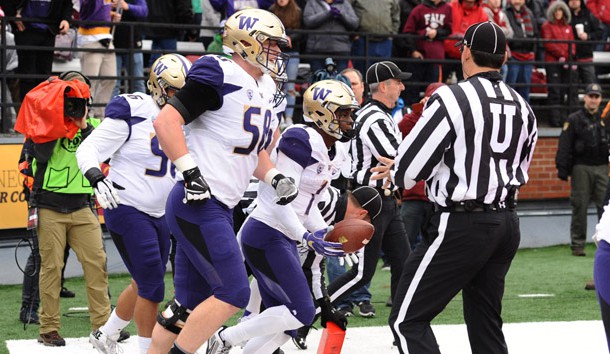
(390, 235)
(468, 251)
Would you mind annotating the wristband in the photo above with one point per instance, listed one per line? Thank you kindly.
(185, 162)
(270, 175)
(94, 175)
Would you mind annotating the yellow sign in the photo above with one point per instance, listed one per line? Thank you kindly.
(13, 206)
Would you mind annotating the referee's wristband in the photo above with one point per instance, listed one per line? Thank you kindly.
(185, 162)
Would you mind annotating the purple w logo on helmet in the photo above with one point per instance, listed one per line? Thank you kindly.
(247, 22)
(320, 93)
(159, 68)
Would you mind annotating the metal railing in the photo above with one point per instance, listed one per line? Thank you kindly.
(539, 103)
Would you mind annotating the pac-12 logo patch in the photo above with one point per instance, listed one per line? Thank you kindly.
(250, 93)
(320, 168)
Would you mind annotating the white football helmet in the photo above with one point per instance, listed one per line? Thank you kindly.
(169, 71)
(245, 33)
(322, 100)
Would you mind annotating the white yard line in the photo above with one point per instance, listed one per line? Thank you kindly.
(522, 338)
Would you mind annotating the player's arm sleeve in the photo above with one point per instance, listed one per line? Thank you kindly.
(102, 143)
(285, 213)
(203, 91)
(315, 221)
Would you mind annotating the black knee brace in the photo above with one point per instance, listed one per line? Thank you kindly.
(173, 317)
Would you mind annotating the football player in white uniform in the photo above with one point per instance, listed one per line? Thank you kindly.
(227, 105)
(362, 203)
(270, 235)
(133, 196)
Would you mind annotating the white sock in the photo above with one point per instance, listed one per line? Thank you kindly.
(144, 343)
(254, 303)
(276, 319)
(114, 325)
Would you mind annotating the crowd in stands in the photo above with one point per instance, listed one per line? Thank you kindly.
(574, 31)
(348, 36)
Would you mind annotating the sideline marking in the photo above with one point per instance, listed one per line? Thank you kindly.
(536, 295)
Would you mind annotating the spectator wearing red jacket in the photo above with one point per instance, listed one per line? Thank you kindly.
(432, 21)
(558, 27)
(465, 13)
(415, 204)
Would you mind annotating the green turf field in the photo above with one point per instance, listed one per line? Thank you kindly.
(550, 270)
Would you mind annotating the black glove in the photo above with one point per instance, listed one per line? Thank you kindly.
(329, 313)
(285, 188)
(196, 189)
(563, 175)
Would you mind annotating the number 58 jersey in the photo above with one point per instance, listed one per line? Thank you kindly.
(225, 142)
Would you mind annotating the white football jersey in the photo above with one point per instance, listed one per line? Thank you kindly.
(225, 143)
(305, 146)
(138, 165)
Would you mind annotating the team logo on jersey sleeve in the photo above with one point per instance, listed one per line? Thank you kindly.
(320, 168)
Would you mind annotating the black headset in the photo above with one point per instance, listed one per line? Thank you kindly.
(66, 74)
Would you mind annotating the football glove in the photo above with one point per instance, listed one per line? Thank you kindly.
(329, 313)
(350, 259)
(315, 241)
(196, 189)
(285, 188)
(105, 193)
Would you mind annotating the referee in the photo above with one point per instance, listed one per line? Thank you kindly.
(377, 136)
(473, 146)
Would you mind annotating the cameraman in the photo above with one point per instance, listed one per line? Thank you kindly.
(61, 198)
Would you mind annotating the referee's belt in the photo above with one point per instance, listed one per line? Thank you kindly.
(472, 206)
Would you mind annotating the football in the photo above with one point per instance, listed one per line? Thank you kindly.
(353, 234)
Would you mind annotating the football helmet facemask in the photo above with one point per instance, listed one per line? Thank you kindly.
(169, 71)
(323, 100)
(280, 94)
(249, 34)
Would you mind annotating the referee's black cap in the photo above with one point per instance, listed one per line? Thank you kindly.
(484, 37)
(385, 70)
(369, 199)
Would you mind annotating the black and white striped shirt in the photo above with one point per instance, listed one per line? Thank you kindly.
(329, 205)
(474, 141)
(378, 135)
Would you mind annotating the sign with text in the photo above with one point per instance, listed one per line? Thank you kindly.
(13, 206)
